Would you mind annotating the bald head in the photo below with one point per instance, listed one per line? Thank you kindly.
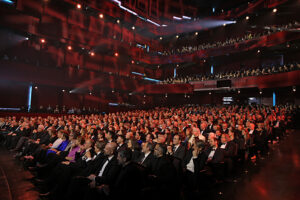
(110, 149)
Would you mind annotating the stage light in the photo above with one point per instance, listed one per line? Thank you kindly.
(69, 48)
(63, 90)
(247, 18)
(101, 16)
(78, 6)
(116, 54)
(36, 87)
(92, 53)
(177, 36)
(160, 38)
(224, 24)
(132, 62)
(7, 1)
(118, 21)
(258, 51)
(133, 28)
(196, 33)
(43, 40)
(274, 10)
(26, 38)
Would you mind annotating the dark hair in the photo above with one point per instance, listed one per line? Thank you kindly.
(135, 144)
(100, 145)
(122, 136)
(180, 138)
(150, 146)
(200, 144)
(126, 153)
(162, 147)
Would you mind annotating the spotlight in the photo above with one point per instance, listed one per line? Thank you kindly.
(116, 54)
(26, 38)
(78, 6)
(63, 90)
(160, 38)
(101, 16)
(177, 36)
(43, 40)
(69, 48)
(258, 51)
(224, 24)
(92, 53)
(133, 28)
(274, 10)
(247, 18)
(118, 21)
(196, 33)
(36, 87)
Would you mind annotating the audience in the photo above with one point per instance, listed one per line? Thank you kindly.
(233, 74)
(159, 153)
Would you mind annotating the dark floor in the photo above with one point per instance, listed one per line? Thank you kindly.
(277, 176)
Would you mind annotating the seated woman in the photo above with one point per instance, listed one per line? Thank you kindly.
(63, 144)
(74, 148)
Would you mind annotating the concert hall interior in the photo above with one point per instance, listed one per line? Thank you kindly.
(149, 99)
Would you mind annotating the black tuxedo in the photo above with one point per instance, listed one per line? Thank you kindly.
(218, 156)
(146, 162)
(93, 166)
(129, 183)
(110, 172)
(122, 147)
(179, 152)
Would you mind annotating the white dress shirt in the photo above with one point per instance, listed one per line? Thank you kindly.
(104, 166)
(57, 143)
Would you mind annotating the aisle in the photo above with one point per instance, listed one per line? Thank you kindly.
(277, 177)
(17, 183)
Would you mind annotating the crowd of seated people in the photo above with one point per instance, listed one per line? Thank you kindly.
(161, 153)
(234, 74)
(230, 41)
(60, 110)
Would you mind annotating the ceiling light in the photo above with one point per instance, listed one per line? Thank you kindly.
(43, 40)
(196, 33)
(92, 53)
(116, 54)
(274, 10)
(118, 21)
(177, 36)
(78, 6)
(160, 38)
(101, 16)
(69, 48)
(247, 18)
(133, 28)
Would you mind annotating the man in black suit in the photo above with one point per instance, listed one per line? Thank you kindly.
(215, 158)
(105, 175)
(129, 183)
(121, 143)
(229, 150)
(146, 157)
(176, 150)
(194, 162)
(164, 176)
(204, 129)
